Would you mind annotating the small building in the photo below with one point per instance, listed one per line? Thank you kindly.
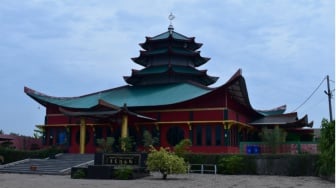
(20, 142)
(171, 98)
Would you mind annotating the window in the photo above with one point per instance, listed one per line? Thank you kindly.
(218, 135)
(61, 137)
(87, 137)
(174, 135)
(199, 135)
(208, 137)
(226, 114)
(98, 134)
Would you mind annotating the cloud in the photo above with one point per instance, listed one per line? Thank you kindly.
(69, 48)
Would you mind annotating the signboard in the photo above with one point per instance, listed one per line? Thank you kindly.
(116, 159)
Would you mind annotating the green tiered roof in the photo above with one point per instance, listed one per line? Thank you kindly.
(170, 57)
(133, 96)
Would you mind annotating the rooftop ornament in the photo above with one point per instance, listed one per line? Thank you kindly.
(171, 28)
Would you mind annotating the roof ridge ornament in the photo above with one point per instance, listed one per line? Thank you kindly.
(171, 28)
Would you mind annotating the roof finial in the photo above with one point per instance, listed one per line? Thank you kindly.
(171, 28)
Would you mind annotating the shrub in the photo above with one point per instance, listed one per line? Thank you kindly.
(106, 144)
(197, 158)
(79, 174)
(126, 144)
(231, 164)
(149, 140)
(123, 173)
(11, 155)
(182, 148)
(165, 162)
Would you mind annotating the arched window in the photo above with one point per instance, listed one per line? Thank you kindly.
(174, 135)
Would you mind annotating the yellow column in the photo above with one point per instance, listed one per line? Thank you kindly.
(124, 126)
(82, 133)
(124, 130)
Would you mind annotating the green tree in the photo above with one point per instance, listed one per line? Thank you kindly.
(38, 133)
(182, 148)
(327, 147)
(165, 162)
(273, 137)
(126, 144)
(106, 144)
(148, 139)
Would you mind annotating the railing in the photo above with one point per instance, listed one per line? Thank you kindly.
(203, 168)
(288, 147)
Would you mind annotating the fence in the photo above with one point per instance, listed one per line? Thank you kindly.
(288, 147)
(207, 168)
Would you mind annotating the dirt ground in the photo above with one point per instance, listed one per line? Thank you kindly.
(155, 181)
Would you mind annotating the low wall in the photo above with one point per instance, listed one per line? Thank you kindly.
(263, 164)
(288, 147)
(288, 165)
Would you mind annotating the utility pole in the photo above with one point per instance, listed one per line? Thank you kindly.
(329, 98)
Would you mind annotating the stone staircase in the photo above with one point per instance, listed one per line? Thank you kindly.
(60, 165)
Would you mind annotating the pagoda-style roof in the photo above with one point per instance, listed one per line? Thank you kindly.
(194, 57)
(133, 96)
(156, 95)
(162, 74)
(171, 35)
(289, 120)
(275, 111)
(172, 54)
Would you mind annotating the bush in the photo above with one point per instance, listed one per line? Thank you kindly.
(123, 173)
(126, 144)
(11, 155)
(231, 164)
(196, 158)
(182, 148)
(165, 162)
(79, 174)
(105, 144)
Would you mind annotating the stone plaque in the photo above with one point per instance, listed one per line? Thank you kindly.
(117, 159)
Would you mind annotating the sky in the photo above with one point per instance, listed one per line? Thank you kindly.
(285, 49)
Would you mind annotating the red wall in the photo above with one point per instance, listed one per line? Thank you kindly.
(179, 114)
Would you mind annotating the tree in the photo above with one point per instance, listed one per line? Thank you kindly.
(38, 133)
(148, 139)
(166, 162)
(106, 144)
(327, 147)
(126, 144)
(273, 137)
(182, 148)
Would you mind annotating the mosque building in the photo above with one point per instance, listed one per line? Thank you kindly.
(171, 98)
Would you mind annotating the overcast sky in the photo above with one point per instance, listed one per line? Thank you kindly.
(70, 48)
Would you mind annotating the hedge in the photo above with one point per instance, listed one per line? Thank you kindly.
(11, 155)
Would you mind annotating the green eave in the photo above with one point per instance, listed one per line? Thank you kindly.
(164, 68)
(166, 35)
(276, 111)
(153, 70)
(133, 96)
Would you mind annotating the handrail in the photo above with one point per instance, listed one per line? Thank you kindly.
(79, 165)
(202, 170)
